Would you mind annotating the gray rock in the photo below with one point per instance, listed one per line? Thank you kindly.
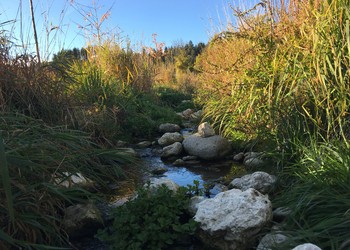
(174, 149)
(205, 130)
(233, 219)
(261, 181)
(73, 180)
(190, 158)
(194, 201)
(169, 128)
(192, 163)
(82, 220)
(179, 162)
(159, 170)
(239, 157)
(307, 246)
(253, 160)
(272, 241)
(218, 188)
(186, 114)
(209, 148)
(170, 138)
(197, 115)
(155, 183)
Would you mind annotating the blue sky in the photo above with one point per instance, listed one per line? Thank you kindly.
(172, 20)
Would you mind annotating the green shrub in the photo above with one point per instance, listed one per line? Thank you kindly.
(154, 220)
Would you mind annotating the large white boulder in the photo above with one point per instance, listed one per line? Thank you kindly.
(170, 138)
(232, 219)
(209, 148)
(261, 181)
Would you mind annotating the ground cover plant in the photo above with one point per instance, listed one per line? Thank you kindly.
(155, 219)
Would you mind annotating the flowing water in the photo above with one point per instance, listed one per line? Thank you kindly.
(209, 176)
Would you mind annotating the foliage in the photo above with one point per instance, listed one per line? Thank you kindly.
(317, 196)
(153, 220)
(36, 156)
(287, 81)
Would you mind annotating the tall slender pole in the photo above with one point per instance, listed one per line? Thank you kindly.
(34, 29)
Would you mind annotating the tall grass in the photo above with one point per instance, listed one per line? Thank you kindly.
(35, 158)
(291, 85)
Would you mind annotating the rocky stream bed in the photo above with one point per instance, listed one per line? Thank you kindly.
(235, 210)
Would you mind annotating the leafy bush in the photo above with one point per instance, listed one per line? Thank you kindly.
(154, 220)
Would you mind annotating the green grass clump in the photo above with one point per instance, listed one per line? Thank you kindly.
(154, 220)
(317, 196)
(34, 156)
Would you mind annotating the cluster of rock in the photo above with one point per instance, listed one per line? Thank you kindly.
(204, 144)
(235, 218)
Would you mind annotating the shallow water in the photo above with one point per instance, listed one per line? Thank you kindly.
(206, 173)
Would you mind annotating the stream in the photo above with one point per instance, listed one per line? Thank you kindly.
(209, 175)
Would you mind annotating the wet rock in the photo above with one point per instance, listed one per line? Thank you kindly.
(82, 220)
(233, 219)
(205, 130)
(157, 182)
(238, 157)
(190, 158)
(169, 128)
(170, 138)
(174, 149)
(261, 181)
(159, 170)
(179, 162)
(209, 148)
(272, 241)
(307, 246)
